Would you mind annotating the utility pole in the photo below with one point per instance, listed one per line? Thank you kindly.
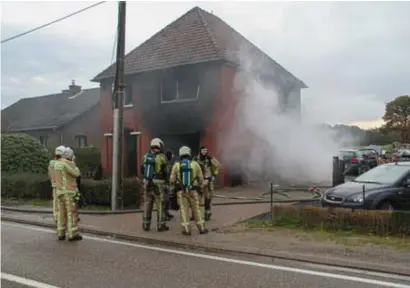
(118, 131)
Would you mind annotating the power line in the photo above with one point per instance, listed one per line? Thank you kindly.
(53, 22)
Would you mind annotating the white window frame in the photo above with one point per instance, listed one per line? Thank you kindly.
(177, 99)
(129, 105)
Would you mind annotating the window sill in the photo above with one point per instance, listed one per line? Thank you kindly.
(178, 101)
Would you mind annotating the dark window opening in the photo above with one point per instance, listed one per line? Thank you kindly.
(81, 141)
(43, 140)
(127, 95)
(188, 83)
(169, 86)
(180, 84)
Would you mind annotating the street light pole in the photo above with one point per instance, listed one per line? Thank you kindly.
(118, 127)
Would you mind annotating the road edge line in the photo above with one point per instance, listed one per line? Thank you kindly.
(258, 252)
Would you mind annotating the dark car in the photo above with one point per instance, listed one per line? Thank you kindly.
(386, 186)
(352, 159)
(369, 155)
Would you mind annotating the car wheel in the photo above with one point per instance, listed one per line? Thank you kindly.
(386, 206)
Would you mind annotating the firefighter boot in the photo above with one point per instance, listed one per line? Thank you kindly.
(77, 237)
(146, 224)
(208, 212)
(162, 227)
(204, 231)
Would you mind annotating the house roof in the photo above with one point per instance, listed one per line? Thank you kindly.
(50, 111)
(195, 37)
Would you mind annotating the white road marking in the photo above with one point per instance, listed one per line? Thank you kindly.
(228, 260)
(357, 271)
(25, 281)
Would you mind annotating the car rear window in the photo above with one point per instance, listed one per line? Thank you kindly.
(347, 154)
(367, 152)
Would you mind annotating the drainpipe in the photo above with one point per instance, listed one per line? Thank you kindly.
(61, 135)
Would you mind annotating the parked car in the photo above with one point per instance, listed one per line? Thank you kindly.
(370, 155)
(356, 162)
(386, 186)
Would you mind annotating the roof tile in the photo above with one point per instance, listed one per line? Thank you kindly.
(49, 111)
(197, 36)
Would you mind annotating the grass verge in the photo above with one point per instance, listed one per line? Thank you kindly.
(348, 238)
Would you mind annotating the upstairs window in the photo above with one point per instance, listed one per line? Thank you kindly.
(127, 95)
(180, 84)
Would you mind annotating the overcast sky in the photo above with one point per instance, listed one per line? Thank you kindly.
(354, 56)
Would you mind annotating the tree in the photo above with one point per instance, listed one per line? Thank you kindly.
(397, 117)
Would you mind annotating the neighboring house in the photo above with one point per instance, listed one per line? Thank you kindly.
(179, 86)
(69, 118)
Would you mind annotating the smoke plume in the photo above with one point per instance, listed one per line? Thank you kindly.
(268, 144)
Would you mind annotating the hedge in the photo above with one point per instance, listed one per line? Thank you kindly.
(87, 159)
(21, 153)
(34, 186)
(375, 222)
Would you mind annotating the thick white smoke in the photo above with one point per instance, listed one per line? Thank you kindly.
(269, 145)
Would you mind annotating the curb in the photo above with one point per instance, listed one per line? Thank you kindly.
(243, 251)
(131, 211)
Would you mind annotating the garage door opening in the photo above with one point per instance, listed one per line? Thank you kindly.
(175, 141)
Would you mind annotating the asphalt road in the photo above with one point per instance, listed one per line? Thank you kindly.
(32, 257)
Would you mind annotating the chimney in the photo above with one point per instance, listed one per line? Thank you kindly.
(74, 89)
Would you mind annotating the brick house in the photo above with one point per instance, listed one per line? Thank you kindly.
(69, 118)
(179, 87)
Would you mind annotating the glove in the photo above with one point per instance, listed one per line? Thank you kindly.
(77, 197)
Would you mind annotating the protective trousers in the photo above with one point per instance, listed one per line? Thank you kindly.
(55, 205)
(67, 216)
(153, 193)
(190, 199)
(208, 195)
(166, 199)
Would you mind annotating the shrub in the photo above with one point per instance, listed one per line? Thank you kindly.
(87, 159)
(21, 153)
(99, 191)
(26, 186)
(375, 222)
(34, 186)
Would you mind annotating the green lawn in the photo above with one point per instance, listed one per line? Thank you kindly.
(349, 238)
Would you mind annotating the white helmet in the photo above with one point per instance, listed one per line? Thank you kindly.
(156, 142)
(184, 151)
(68, 153)
(60, 150)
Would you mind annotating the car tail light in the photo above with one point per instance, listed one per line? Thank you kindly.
(354, 160)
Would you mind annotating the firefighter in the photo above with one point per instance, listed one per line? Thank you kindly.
(154, 171)
(380, 160)
(186, 179)
(66, 173)
(57, 155)
(210, 169)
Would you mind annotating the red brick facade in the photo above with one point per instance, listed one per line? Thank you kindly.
(212, 136)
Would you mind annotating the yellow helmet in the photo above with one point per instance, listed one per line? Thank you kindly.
(156, 142)
(184, 150)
